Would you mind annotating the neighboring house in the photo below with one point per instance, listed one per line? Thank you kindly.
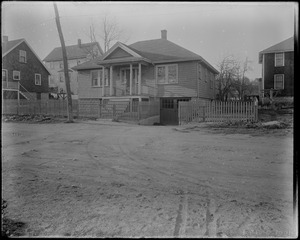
(76, 54)
(278, 67)
(147, 70)
(23, 73)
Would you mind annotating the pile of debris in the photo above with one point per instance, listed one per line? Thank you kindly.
(28, 118)
(258, 125)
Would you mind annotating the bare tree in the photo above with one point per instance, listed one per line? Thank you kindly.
(240, 83)
(110, 32)
(232, 80)
(228, 70)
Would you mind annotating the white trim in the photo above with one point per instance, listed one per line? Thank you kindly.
(166, 73)
(282, 59)
(15, 71)
(123, 47)
(275, 75)
(35, 82)
(98, 78)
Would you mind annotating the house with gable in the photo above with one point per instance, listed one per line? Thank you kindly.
(24, 76)
(147, 70)
(278, 67)
(76, 54)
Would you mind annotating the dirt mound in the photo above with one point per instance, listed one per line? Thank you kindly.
(30, 118)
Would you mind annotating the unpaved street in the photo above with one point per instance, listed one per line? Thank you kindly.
(110, 179)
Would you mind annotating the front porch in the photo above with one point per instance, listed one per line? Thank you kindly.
(119, 79)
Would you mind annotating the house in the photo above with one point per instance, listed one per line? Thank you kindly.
(23, 73)
(278, 67)
(76, 54)
(145, 71)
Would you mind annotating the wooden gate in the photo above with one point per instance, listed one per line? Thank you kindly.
(169, 110)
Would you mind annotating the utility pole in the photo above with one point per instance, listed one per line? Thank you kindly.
(66, 68)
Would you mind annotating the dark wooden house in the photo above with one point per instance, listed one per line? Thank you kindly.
(23, 73)
(278, 67)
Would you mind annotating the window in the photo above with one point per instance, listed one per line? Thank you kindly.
(51, 80)
(167, 74)
(95, 75)
(38, 79)
(22, 56)
(16, 75)
(61, 77)
(4, 75)
(278, 81)
(279, 59)
(61, 65)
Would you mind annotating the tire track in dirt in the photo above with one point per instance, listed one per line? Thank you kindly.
(211, 219)
(181, 219)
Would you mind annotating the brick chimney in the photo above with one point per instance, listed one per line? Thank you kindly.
(164, 34)
(79, 42)
(5, 39)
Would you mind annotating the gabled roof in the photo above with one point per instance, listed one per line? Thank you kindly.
(73, 52)
(153, 51)
(284, 46)
(8, 46)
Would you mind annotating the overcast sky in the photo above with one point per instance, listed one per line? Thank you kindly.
(212, 30)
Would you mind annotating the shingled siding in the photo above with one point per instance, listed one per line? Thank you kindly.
(204, 88)
(288, 70)
(27, 70)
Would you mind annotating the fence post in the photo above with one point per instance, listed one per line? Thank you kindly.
(139, 113)
(179, 113)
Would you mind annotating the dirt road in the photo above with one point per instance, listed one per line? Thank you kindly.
(110, 179)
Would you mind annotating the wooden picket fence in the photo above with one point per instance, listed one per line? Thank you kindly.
(217, 111)
(51, 107)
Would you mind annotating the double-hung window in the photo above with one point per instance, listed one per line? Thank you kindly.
(96, 78)
(279, 59)
(167, 74)
(38, 79)
(16, 75)
(22, 56)
(278, 81)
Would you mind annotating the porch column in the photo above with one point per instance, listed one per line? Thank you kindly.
(111, 81)
(103, 82)
(130, 82)
(140, 79)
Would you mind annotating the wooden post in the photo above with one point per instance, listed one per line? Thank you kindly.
(103, 81)
(130, 80)
(111, 81)
(66, 68)
(140, 79)
(179, 116)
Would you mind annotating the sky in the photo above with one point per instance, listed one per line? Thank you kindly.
(212, 30)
